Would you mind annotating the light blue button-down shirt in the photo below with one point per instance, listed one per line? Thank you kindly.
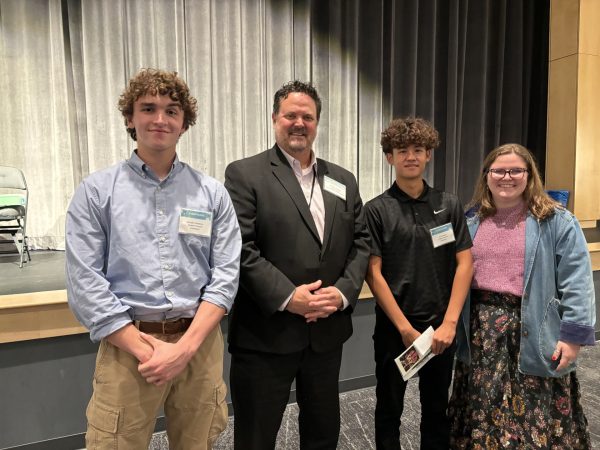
(127, 259)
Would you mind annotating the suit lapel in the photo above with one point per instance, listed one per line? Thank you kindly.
(284, 173)
(329, 201)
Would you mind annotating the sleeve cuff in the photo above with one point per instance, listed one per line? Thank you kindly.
(286, 301)
(345, 302)
(218, 299)
(577, 334)
(99, 333)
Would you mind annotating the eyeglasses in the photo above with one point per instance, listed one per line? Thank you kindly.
(515, 174)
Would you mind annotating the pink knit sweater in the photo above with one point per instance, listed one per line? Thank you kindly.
(499, 251)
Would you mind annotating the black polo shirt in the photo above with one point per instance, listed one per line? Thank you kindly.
(419, 275)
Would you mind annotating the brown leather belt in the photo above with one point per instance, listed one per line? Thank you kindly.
(166, 327)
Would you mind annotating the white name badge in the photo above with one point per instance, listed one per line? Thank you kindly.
(334, 187)
(195, 222)
(442, 235)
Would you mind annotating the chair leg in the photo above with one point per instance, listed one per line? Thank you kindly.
(20, 242)
(25, 245)
(27, 249)
(25, 256)
(22, 248)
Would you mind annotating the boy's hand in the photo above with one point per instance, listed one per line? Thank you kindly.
(443, 337)
(409, 336)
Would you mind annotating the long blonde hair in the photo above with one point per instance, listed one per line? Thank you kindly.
(538, 203)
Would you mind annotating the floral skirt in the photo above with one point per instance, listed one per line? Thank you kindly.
(494, 406)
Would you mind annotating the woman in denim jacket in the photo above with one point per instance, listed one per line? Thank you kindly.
(530, 309)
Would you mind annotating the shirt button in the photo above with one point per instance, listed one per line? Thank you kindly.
(525, 333)
(160, 212)
(162, 239)
(169, 293)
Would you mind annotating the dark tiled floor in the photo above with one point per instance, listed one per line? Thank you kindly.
(357, 415)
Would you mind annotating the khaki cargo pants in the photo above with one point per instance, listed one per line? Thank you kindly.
(123, 408)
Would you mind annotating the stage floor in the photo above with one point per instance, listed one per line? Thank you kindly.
(45, 272)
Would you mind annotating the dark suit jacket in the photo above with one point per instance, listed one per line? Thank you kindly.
(281, 250)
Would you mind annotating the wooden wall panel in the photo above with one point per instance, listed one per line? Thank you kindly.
(564, 24)
(587, 171)
(573, 135)
(562, 125)
(589, 35)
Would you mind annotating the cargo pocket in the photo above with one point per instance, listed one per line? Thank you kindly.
(220, 415)
(103, 423)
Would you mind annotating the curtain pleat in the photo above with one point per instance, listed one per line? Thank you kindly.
(35, 116)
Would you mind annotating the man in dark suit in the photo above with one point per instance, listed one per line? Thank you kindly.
(304, 257)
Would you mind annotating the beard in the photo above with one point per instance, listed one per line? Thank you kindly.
(298, 144)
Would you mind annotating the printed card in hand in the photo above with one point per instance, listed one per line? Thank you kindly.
(416, 356)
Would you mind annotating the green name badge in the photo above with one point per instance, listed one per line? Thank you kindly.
(192, 221)
(442, 235)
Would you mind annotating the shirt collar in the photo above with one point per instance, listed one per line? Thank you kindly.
(398, 193)
(296, 166)
(141, 168)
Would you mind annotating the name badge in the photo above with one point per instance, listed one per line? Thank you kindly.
(334, 187)
(442, 235)
(195, 222)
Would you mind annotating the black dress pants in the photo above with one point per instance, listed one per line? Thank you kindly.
(434, 381)
(260, 389)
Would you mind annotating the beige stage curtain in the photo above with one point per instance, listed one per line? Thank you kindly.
(476, 69)
(64, 64)
(36, 114)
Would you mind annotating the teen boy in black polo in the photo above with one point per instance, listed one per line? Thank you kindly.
(419, 275)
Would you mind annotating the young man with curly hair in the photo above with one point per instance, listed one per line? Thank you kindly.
(420, 270)
(153, 250)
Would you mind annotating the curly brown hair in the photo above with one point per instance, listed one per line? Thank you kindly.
(158, 82)
(539, 204)
(401, 133)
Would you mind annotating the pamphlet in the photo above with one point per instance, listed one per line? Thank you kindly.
(416, 356)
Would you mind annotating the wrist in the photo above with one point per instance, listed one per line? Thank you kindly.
(142, 351)
(405, 330)
(452, 322)
(289, 303)
(187, 346)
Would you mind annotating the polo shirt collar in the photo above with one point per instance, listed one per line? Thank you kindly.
(399, 194)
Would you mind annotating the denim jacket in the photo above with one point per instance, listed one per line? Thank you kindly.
(558, 301)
